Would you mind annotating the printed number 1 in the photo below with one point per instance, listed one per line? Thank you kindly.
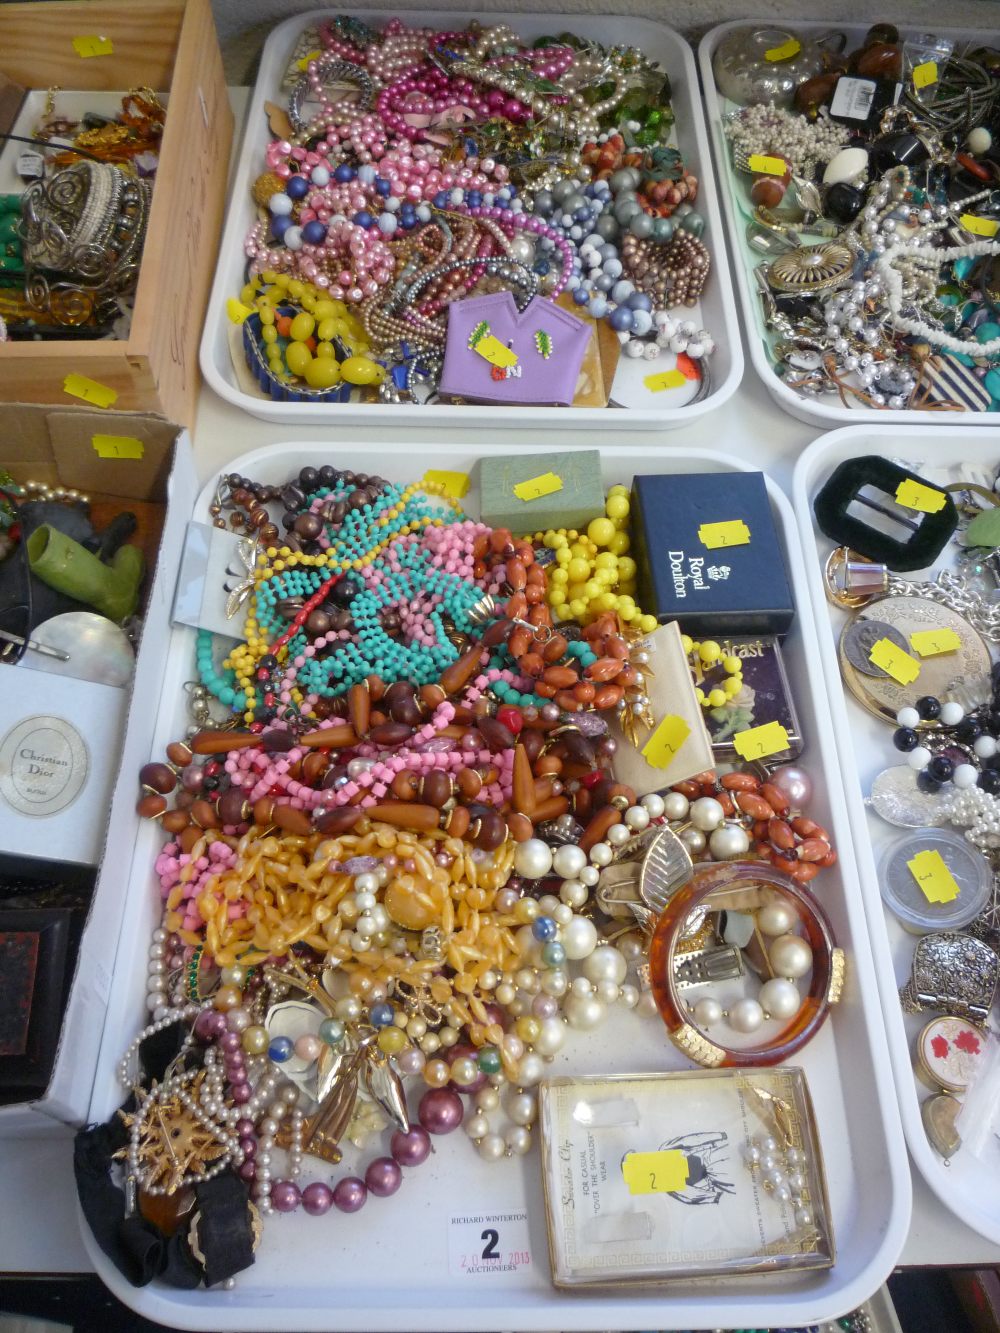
(492, 1239)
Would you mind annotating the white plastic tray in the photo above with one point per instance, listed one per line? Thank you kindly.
(388, 1267)
(969, 1189)
(826, 412)
(717, 310)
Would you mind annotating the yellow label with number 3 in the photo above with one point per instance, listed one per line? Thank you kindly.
(915, 495)
(931, 642)
(896, 663)
(931, 872)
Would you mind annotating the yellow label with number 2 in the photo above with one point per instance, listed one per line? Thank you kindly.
(759, 742)
(655, 1172)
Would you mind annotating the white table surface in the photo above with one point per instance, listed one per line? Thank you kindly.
(38, 1215)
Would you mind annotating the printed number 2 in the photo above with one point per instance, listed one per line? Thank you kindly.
(492, 1239)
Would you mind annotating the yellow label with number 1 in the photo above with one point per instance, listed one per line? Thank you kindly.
(936, 881)
(767, 166)
(455, 484)
(655, 1172)
(661, 748)
(931, 642)
(536, 487)
(732, 533)
(90, 391)
(987, 227)
(926, 74)
(759, 742)
(785, 51)
(117, 446)
(895, 662)
(915, 495)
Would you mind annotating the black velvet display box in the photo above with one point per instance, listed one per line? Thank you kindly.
(714, 591)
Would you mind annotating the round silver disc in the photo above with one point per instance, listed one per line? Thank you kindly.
(98, 650)
(861, 636)
(896, 797)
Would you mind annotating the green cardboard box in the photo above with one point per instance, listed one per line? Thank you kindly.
(572, 503)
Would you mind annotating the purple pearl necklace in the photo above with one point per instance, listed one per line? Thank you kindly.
(350, 1194)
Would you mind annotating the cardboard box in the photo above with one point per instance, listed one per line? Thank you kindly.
(56, 445)
(171, 47)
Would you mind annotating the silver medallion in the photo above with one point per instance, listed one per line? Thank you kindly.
(897, 799)
(861, 636)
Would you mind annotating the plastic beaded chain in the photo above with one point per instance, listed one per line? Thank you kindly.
(401, 183)
(915, 332)
(413, 801)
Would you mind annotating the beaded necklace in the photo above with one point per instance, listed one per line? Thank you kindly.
(354, 544)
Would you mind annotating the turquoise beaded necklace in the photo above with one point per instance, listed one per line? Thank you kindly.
(361, 530)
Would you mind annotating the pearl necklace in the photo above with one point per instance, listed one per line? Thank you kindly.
(887, 268)
(515, 1140)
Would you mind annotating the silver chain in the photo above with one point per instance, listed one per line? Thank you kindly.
(953, 590)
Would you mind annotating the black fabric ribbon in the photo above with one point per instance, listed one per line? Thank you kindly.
(138, 1249)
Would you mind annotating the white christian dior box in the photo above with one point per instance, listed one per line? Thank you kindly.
(60, 744)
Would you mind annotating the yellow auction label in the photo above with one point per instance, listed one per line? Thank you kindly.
(661, 748)
(915, 495)
(734, 532)
(767, 166)
(85, 47)
(455, 484)
(660, 1172)
(79, 386)
(936, 881)
(785, 51)
(932, 642)
(759, 742)
(987, 227)
(665, 379)
(117, 446)
(895, 662)
(537, 487)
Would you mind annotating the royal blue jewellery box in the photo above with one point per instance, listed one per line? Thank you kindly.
(708, 554)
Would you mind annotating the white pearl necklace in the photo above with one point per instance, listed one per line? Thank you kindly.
(893, 282)
(979, 814)
(188, 1014)
(521, 1107)
(767, 130)
(783, 1174)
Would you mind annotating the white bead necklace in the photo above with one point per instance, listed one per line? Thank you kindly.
(887, 267)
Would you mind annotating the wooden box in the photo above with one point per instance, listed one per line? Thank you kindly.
(171, 47)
